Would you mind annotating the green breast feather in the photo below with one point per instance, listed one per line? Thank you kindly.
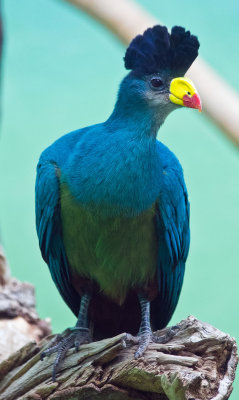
(118, 253)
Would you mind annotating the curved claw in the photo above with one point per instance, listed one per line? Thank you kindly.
(65, 345)
(81, 335)
(145, 338)
(170, 333)
(52, 347)
(48, 351)
(143, 344)
(71, 337)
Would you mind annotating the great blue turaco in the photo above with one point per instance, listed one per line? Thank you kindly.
(112, 210)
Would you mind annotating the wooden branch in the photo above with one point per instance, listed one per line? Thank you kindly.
(19, 322)
(198, 363)
(125, 19)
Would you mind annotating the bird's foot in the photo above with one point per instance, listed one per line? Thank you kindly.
(72, 337)
(169, 333)
(144, 339)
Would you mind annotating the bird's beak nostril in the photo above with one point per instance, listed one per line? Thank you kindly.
(184, 93)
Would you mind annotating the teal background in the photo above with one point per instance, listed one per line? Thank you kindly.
(61, 72)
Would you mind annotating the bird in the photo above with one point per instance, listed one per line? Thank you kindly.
(112, 209)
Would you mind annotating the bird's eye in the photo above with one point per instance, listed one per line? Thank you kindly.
(157, 83)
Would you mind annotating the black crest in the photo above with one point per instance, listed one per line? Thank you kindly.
(157, 50)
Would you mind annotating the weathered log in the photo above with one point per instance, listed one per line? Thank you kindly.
(198, 363)
(19, 321)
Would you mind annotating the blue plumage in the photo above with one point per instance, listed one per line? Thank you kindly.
(49, 230)
(158, 51)
(111, 169)
(112, 209)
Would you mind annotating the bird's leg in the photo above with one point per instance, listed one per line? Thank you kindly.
(82, 326)
(75, 336)
(145, 334)
(145, 331)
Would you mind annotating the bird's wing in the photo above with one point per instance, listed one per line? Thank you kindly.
(48, 224)
(172, 224)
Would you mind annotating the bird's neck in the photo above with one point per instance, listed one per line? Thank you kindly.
(123, 167)
(141, 121)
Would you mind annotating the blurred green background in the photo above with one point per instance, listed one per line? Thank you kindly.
(61, 72)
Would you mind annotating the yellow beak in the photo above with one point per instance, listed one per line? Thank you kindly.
(184, 93)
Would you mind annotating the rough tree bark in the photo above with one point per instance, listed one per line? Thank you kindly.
(19, 322)
(199, 363)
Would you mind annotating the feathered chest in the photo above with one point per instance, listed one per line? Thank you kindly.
(118, 253)
(121, 176)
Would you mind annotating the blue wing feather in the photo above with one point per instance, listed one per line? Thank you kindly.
(48, 223)
(172, 226)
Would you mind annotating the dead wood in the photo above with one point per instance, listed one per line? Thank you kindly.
(198, 363)
(19, 321)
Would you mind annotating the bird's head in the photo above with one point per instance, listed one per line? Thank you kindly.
(158, 61)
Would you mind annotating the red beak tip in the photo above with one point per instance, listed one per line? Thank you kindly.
(192, 102)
